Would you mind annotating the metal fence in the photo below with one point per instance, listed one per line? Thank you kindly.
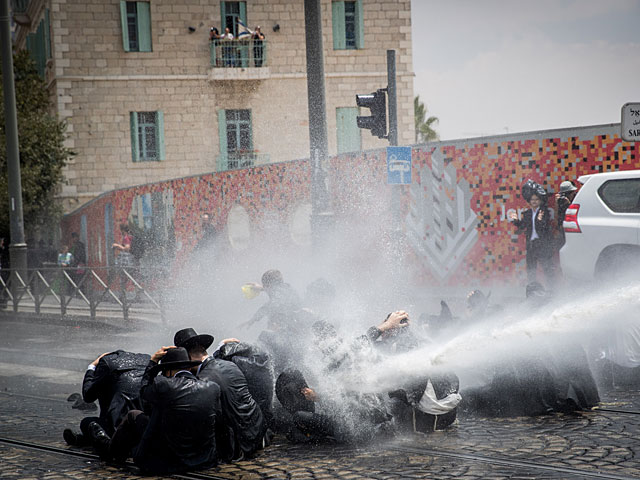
(73, 291)
(238, 53)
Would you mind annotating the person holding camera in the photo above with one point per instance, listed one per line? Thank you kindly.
(564, 198)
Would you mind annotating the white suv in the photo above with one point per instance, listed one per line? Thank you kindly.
(602, 227)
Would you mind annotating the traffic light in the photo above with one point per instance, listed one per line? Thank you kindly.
(377, 121)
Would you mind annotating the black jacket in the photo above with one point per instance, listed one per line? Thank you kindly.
(115, 383)
(242, 424)
(544, 228)
(183, 411)
(256, 367)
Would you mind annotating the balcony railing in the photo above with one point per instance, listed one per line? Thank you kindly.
(235, 160)
(242, 53)
(19, 6)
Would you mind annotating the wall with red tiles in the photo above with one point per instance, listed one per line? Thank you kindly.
(452, 217)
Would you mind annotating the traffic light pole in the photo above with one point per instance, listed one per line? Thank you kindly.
(321, 216)
(18, 247)
(393, 100)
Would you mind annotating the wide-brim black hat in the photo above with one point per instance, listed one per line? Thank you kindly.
(187, 338)
(175, 359)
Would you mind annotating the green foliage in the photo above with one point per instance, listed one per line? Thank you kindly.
(424, 126)
(42, 153)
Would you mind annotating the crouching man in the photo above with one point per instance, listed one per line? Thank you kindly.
(176, 431)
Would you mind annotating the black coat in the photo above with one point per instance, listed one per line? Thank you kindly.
(544, 228)
(115, 383)
(256, 367)
(183, 412)
(242, 424)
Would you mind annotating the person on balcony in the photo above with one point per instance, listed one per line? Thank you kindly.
(228, 50)
(258, 46)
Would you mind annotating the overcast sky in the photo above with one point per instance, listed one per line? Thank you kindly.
(487, 67)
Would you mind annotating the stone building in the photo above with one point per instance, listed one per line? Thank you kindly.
(148, 95)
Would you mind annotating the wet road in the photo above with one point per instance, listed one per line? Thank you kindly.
(41, 364)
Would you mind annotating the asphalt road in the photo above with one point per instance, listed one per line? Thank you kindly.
(41, 363)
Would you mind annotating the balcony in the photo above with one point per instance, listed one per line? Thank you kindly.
(19, 10)
(236, 160)
(238, 60)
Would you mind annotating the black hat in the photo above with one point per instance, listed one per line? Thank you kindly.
(187, 338)
(175, 359)
(288, 390)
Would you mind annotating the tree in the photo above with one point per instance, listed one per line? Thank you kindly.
(42, 152)
(424, 126)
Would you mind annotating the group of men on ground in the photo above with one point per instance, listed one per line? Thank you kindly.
(220, 407)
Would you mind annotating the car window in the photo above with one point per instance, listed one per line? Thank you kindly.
(621, 196)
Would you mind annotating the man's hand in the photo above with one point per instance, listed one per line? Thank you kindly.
(95, 362)
(309, 394)
(540, 213)
(513, 216)
(398, 319)
(162, 351)
(229, 340)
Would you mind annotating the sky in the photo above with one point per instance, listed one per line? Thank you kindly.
(491, 67)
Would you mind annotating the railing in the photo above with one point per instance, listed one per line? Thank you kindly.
(235, 160)
(238, 53)
(84, 291)
(19, 6)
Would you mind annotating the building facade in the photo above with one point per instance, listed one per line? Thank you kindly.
(151, 93)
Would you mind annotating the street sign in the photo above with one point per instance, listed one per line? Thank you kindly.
(399, 165)
(630, 125)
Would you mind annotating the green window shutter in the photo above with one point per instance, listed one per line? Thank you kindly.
(243, 13)
(41, 50)
(223, 14)
(160, 134)
(123, 23)
(359, 25)
(337, 19)
(348, 133)
(245, 48)
(144, 26)
(222, 131)
(133, 120)
(47, 34)
(250, 130)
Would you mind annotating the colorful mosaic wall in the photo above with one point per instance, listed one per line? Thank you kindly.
(453, 215)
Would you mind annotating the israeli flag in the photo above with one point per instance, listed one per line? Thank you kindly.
(243, 30)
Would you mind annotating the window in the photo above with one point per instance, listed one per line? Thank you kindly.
(348, 133)
(39, 44)
(236, 138)
(147, 136)
(621, 196)
(348, 24)
(231, 12)
(136, 26)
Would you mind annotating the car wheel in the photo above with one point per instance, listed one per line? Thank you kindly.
(618, 262)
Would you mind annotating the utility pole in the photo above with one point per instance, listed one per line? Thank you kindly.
(18, 247)
(321, 215)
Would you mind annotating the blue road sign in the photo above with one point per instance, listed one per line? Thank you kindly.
(399, 165)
